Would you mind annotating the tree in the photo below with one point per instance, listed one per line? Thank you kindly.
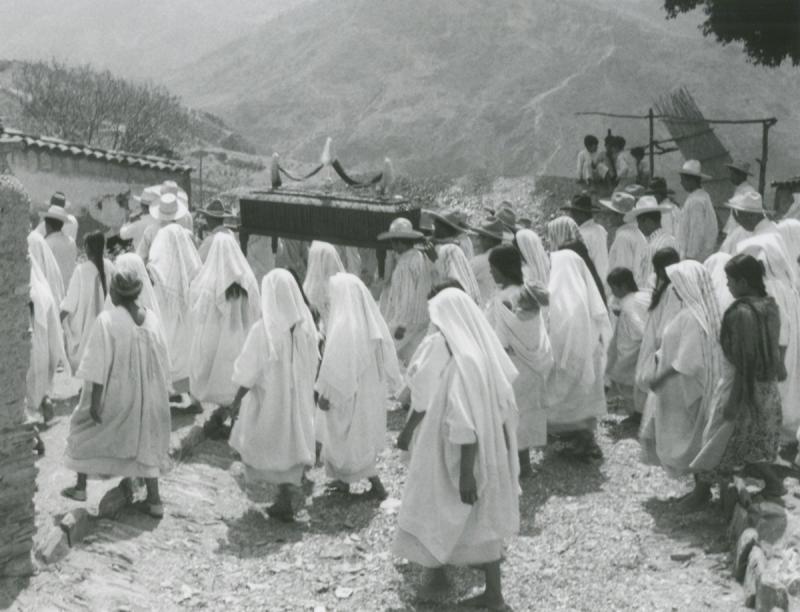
(92, 107)
(768, 29)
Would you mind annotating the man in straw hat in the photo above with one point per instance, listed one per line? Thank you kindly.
(738, 173)
(594, 235)
(450, 226)
(697, 238)
(405, 305)
(139, 221)
(63, 247)
(749, 215)
(166, 210)
(214, 215)
(70, 228)
(628, 240)
(647, 216)
(491, 233)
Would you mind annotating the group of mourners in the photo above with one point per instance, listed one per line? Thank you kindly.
(495, 339)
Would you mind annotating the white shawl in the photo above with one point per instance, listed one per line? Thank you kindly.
(561, 230)
(715, 265)
(537, 264)
(323, 262)
(453, 264)
(173, 264)
(282, 310)
(42, 254)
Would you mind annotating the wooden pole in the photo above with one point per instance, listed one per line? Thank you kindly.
(651, 121)
(762, 175)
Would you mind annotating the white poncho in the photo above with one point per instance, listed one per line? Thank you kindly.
(274, 433)
(173, 265)
(580, 331)
(474, 404)
(323, 262)
(358, 373)
(219, 326)
(40, 252)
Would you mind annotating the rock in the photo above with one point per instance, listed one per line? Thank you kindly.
(729, 498)
(76, 524)
(19, 567)
(54, 547)
(771, 594)
(682, 556)
(742, 494)
(770, 521)
(745, 544)
(756, 562)
(739, 522)
(343, 592)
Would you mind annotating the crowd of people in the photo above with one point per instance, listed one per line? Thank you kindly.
(497, 340)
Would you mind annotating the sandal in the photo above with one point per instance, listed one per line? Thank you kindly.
(74, 493)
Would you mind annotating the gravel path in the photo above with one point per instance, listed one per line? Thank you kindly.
(594, 537)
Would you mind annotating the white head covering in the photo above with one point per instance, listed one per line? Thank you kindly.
(225, 265)
(323, 262)
(173, 263)
(790, 232)
(578, 316)
(131, 262)
(40, 252)
(561, 230)
(283, 309)
(771, 251)
(715, 265)
(693, 285)
(357, 339)
(537, 264)
(453, 264)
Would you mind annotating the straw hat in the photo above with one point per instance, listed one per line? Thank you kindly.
(168, 208)
(743, 167)
(456, 219)
(620, 202)
(747, 202)
(692, 167)
(506, 215)
(493, 228)
(581, 202)
(172, 187)
(645, 204)
(216, 209)
(401, 229)
(56, 213)
(637, 191)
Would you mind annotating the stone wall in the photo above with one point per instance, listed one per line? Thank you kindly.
(17, 469)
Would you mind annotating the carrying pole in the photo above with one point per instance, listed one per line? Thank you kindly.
(652, 146)
(762, 175)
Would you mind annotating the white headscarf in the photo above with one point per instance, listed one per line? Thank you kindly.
(561, 230)
(537, 264)
(225, 265)
(174, 263)
(771, 251)
(283, 309)
(131, 262)
(693, 285)
(715, 265)
(358, 338)
(578, 316)
(40, 252)
(323, 262)
(454, 265)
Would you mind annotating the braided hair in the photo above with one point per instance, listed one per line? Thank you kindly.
(95, 244)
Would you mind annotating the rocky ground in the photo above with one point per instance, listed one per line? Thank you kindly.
(594, 537)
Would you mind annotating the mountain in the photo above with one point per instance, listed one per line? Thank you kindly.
(141, 39)
(467, 86)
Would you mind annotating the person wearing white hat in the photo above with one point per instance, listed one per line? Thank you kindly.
(697, 237)
(750, 216)
(70, 228)
(647, 216)
(405, 305)
(738, 174)
(166, 210)
(628, 240)
(138, 222)
(62, 246)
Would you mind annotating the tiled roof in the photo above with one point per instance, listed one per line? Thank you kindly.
(62, 147)
(787, 182)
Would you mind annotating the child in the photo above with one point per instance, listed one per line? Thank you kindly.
(587, 160)
(121, 426)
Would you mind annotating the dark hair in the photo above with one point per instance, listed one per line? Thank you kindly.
(95, 245)
(747, 268)
(662, 259)
(450, 283)
(55, 224)
(590, 141)
(620, 142)
(622, 277)
(580, 248)
(654, 216)
(508, 260)
(637, 152)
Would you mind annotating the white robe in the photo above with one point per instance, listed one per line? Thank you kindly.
(452, 264)
(70, 228)
(323, 262)
(84, 301)
(699, 227)
(260, 255)
(628, 243)
(483, 274)
(644, 274)
(40, 252)
(536, 268)
(65, 253)
(623, 352)
(133, 438)
(205, 246)
(274, 433)
(219, 326)
(595, 237)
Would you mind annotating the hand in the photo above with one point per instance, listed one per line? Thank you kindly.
(324, 404)
(399, 333)
(468, 489)
(94, 412)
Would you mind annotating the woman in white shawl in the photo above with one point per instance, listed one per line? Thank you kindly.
(323, 262)
(515, 315)
(275, 371)
(173, 265)
(224, 305)
(537, 263)
(359, 372)
(42, 254)
(562, 230)
(461, 499)
(147, 297)
(452, 264)
(580, 332)
(47, 345)
(779, 281)
(86, 297)
(689, 366)
(715, 264)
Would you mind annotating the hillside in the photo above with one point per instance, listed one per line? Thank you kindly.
(462, 86)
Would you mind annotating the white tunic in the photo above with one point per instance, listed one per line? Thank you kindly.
(595, 237)
(699, 228)
(65, 252)
(483, 274)
(40, 252)
(624, 251)
(70, 227)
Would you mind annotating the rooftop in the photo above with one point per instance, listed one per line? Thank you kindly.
(62, 147)
(789, 182)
